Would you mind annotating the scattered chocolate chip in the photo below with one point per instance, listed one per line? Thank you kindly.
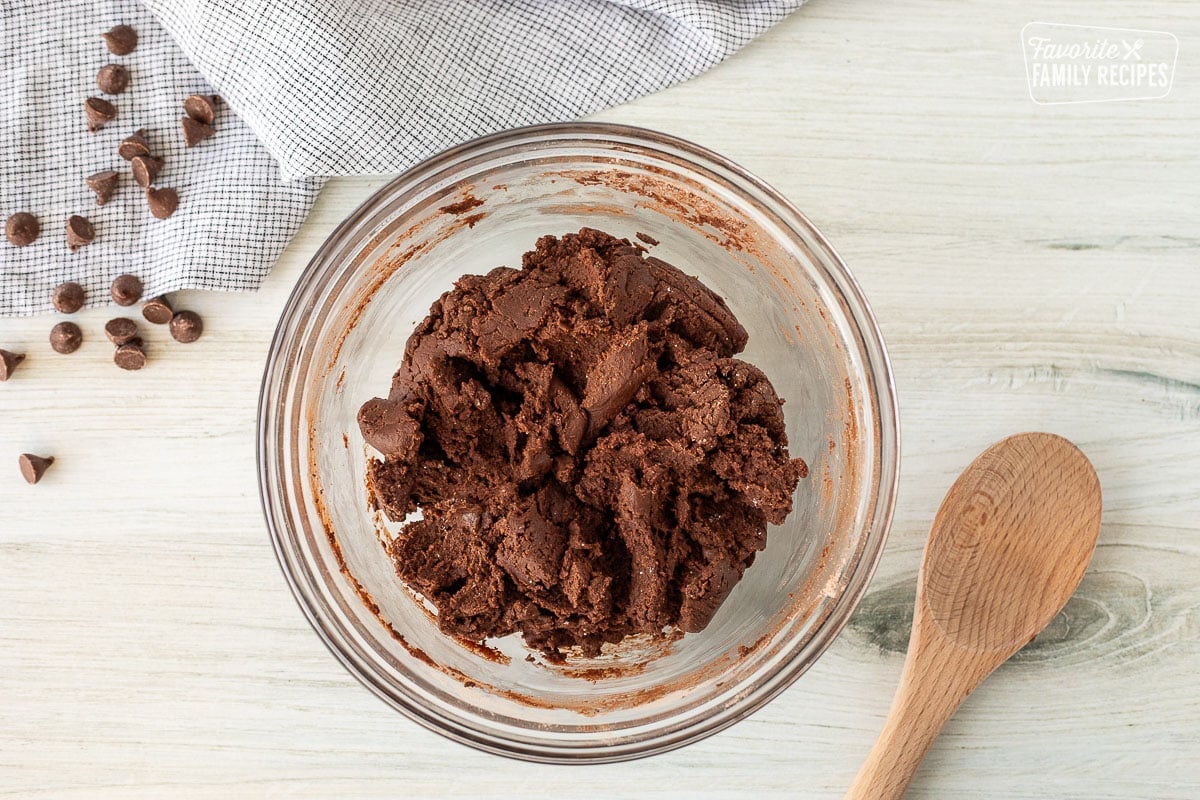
(8, 363)
(121, 330)
(67, 297)
(22, 228)
(163, 202)
(134, 145)
(99, 112)
(121, 40)
(158, 310)
(65, 337)
(126, 290)
(195, 132)
(103, 184)
(145, 170)
(34, 467)
(112, 78)
(130, 355)
(647, 238)
(201, 108)
(186, 327)
(79, 232)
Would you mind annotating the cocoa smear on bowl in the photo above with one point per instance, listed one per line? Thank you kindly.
(462, 206)
(731, 233)
(395, 257)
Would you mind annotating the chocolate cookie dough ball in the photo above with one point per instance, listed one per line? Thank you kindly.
(589, 459)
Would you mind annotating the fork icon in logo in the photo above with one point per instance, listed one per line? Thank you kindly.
(1132, 49)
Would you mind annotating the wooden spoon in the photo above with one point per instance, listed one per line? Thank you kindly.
(1008, 547)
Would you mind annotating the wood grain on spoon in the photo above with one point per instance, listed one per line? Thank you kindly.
(1008, 547)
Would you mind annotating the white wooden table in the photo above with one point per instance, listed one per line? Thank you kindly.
(1032, 267)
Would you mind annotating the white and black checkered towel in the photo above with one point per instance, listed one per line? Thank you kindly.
(311, 89)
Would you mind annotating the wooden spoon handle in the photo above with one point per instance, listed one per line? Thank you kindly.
(938, 675)
(907, 735)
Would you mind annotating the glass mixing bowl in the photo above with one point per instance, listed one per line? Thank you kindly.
(483, 204)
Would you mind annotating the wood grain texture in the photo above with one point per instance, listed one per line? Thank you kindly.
(1008, 548)
(1031, 268)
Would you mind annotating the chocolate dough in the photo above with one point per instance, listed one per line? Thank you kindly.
(587, 458)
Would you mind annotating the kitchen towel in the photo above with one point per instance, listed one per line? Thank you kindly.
(309, 89)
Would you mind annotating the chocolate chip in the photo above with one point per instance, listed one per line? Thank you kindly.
(130, 355)
(8, 363)
(145, 170)
(134, 145)
(121, 40)
(65, 337)
(103, 184)
(200, 107)
(163, 202)
(186, 327)
(121, 330)
(99, 112)
(195, 132)
(112, 78)
(34, 467)
(157, 310)
(79, 232)
(126, 290)
(68, 297)
(22, 228)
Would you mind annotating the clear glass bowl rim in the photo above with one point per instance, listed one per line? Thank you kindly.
(322, 268)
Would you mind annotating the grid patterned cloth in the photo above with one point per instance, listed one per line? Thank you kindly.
(235, 214)
(311, 89)
(347, 87)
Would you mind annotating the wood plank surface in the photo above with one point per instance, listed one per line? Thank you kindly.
(1032, 267)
